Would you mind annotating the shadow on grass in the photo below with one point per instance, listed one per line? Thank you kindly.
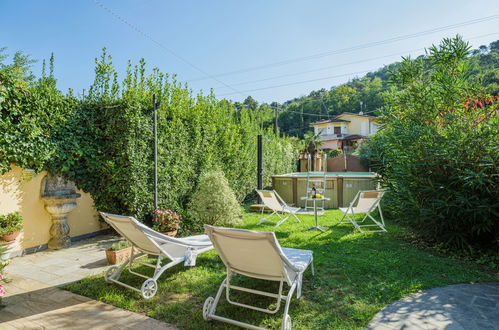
(356, 275)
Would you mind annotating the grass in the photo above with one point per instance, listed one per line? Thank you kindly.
(356, 275)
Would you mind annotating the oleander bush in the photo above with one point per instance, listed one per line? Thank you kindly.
(214, 202)
(438, 150)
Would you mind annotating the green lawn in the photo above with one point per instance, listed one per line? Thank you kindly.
(356, 275)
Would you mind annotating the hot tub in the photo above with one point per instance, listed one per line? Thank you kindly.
(341, 187)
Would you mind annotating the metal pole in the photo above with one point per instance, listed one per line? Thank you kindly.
(259, 169)
(155, 104)
(276, 127)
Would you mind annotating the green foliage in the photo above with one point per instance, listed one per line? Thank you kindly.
(120, 246)
(213, 201)
(30, 114)
(20, 67)
(438, 151)
(166, 220)
(104, 142)
(106, 145)
(298, 113)
(10, 223)
(333, 153)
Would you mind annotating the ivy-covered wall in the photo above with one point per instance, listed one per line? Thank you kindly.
(104, 142)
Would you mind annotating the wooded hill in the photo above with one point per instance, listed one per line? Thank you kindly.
(294, 116)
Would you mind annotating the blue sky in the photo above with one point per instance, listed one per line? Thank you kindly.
(232, 35)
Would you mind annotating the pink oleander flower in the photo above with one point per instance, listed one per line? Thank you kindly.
(1, 277)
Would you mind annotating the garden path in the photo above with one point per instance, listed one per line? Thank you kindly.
(33, 300)
(453, 307)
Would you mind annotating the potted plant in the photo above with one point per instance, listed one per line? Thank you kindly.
(10, 226)
(118, 252)
(166, 221)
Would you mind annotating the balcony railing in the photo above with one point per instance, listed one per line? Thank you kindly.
(325, 137)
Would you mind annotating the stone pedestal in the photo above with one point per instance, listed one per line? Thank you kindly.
(59, 197)
(59, 208)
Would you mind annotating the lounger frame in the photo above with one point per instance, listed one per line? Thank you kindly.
(210, 305)
(349, 214)
(149, 286)
(284, 209)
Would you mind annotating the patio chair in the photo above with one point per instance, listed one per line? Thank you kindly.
(273, 201)
(146, 241)
(258, 255)
(366, 202)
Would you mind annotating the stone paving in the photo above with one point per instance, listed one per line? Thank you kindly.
(82, 259)
(33, 300)
(454, 307)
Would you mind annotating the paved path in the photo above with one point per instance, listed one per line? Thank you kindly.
(82, 259)
(454, 307)
(33, 300)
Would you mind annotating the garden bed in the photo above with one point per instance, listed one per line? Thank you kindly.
(356, 276)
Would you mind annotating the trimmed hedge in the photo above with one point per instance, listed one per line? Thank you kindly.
(106, 146)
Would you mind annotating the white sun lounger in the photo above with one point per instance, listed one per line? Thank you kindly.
(256, 254)
(273, 201)
(146, 241)
(367, 202)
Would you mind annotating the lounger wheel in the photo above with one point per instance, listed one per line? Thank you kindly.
(149, 288)
(110, 273)
(286, 325)
(207, 308)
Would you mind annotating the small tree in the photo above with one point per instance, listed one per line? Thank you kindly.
(214, 202)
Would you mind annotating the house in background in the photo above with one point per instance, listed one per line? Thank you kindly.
(345, 130)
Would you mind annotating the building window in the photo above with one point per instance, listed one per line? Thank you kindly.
(337, 130)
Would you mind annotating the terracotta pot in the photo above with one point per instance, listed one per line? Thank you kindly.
(170, 233)
(10, 237)
(117, 257)
(7, 243)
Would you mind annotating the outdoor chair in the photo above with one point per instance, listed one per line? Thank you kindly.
(147, 242)
(256, 254)
(366, 202)
(272, 200)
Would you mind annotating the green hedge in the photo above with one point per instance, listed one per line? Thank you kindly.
(106, 146)
(104, 142)
(438, 150)
(29, 116)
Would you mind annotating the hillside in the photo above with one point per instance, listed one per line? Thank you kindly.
(295, 115)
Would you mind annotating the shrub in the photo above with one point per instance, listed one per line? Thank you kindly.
(214, 202)
(10, 223)
(166, 220)
(437, 151)
(120, 246)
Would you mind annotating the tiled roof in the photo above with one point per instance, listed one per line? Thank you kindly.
(334, 120)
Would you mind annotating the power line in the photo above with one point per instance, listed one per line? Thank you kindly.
(344, 64)
(324, 68)
(357, 47)
(169, 50)
(298, 82)
(330, 77)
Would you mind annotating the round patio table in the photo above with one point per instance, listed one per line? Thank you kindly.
(315, 200)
